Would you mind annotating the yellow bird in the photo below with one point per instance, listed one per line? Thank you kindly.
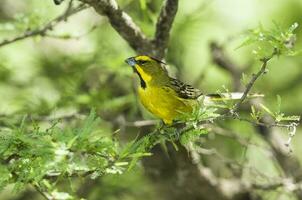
(165, 97)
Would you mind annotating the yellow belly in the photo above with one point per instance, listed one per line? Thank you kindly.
(164, 103)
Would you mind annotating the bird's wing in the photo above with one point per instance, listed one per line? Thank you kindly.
(183, 90)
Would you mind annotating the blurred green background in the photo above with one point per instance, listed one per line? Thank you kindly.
(78, 67)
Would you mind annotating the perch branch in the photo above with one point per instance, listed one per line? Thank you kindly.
(253, 80)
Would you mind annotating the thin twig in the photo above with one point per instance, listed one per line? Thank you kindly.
(257, 123)
(40, 191)
(76, 37)
(49, 26)
(141, 123)
(50, 118)
(252, 81)
(270, 186)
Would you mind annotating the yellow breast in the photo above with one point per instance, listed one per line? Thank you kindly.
(164, 103)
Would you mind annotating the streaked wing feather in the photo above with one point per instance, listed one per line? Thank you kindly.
(183, 90)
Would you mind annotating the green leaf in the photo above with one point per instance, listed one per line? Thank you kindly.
(244, 79)
(89, 124)
(72, 141)
(248, 41)
(266, 109)
(293, 27)
(255, 114)
(278, 104)
(274, 39)
(5, 176)
(192, 135)
(143, 4)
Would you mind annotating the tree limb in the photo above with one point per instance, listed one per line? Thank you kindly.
(163, 27)
(126, 27)
(122, 23)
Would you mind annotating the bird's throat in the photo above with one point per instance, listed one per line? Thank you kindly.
(142, 82)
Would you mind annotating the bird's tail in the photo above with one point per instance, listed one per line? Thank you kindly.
(210, 99)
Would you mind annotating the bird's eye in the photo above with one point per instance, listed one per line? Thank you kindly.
(142, 62)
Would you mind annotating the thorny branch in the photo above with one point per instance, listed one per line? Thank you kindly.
(47, 27)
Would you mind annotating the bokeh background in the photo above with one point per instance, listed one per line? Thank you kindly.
(80, 65)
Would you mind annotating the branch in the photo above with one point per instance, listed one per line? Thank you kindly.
(126, 27)
(122, 23)
(49, 26)
(252, 81)
(236, 137)
(270, 186)
(141, 123)
(163, 27)
(43, 194)
(178, 178)
(289, 164)
(271, 183)
(231, 188)
(262, 124)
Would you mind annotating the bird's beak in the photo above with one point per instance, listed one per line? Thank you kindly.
(131, 61)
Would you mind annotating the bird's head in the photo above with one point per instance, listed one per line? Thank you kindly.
(147, 68)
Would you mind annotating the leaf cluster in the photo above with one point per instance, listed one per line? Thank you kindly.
(277, 115)
(274, 39)
(31, 155)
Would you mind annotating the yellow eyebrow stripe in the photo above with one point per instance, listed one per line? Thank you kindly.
(144, 58)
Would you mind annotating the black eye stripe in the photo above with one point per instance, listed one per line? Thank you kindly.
(141, 62)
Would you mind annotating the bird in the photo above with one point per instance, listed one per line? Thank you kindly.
(165, 97)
